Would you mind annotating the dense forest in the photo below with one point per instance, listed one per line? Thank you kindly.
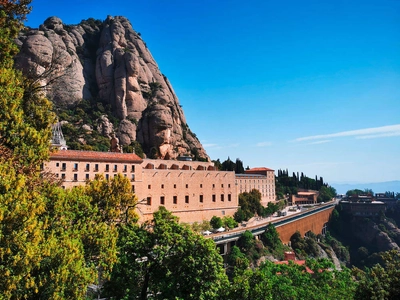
(85, 242)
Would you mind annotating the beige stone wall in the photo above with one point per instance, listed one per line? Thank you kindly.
(193, 191)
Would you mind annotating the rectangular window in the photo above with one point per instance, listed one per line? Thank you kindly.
(174, 186)
(201, 198)
(201, 185)
(229, 197)
(148, 200)
(186, 199)
(175, 200)
(107, 176)
(63, 176)
(115, 168)
(57, 165)
(222, 185)
(107, 168)
(87, 168)
(187, 185)
(162, 200)
(149, 186)
(133, 177)
(222, 198)
(87, 176)
(75, 177)
(133, 188)
(213, 185)
(96, 167)
(125, 168)
(162, 186)
(64, 167)
(75, 167)
(133, 169)
(213, 198)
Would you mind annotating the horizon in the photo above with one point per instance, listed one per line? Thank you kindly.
(310, 87)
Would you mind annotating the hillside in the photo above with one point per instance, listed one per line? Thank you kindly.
(107, 66)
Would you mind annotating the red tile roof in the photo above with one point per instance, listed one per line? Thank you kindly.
(260, 169)
(95, 156)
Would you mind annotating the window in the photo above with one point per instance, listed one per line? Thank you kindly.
(149, 186)
(162, 186)
(133, 169)
(222, 185)
(201, 198)
(222, 198)
(229, 197)
(87, 168)
(107, 168)
(87, 176)
(133, 188)
(96, 167)
(125, 168)
(107, 176)
(64, 167)
(148, 200)
(115, 168)
(213, 198)
(57, 165)
(63, 176)
(213, 185)
(75, 177)
(201, 185)
(186, 199)
(162, 200)
(75, 167)
(174, 186)
(175, 200)
(229, 185)
(133, 177)
(187, 185)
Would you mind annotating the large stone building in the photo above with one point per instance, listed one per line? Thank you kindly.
(192, 190)
(262, 179)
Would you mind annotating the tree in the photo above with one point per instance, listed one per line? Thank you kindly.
(216, 222)
(239, 169)
(167, 262)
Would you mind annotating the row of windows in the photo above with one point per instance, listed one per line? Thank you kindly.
(175, 199)
(75, 178)
(187, 186)
(96, 167)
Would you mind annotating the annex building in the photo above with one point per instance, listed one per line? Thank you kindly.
(262, 179)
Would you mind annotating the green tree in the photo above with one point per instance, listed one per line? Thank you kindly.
(216, 222)
(167, 262)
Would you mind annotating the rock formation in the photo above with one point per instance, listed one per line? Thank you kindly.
(108, 62)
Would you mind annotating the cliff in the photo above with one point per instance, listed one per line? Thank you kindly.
(109, 64)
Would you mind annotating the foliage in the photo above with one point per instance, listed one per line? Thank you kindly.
(229, 222)
(358, 192)
(281, 281)
(237, 259)
(250, 204)
(304, 247)
(168, 262)
(216, 222)
(326, 194)
(272, 242)
(380, 281)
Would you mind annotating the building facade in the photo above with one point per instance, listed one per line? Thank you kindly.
(262, 179)
(191, 190)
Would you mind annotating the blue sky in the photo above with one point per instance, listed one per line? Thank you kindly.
(309, 86)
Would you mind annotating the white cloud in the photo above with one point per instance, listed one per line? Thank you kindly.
(263, 144)
(376, 132)
(320, 142)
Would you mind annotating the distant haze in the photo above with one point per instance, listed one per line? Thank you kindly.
(376, 187)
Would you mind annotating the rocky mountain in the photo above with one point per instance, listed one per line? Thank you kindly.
(108, 63)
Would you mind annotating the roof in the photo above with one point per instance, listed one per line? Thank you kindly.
(260, 169)
(95, 156)
(306, 193)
